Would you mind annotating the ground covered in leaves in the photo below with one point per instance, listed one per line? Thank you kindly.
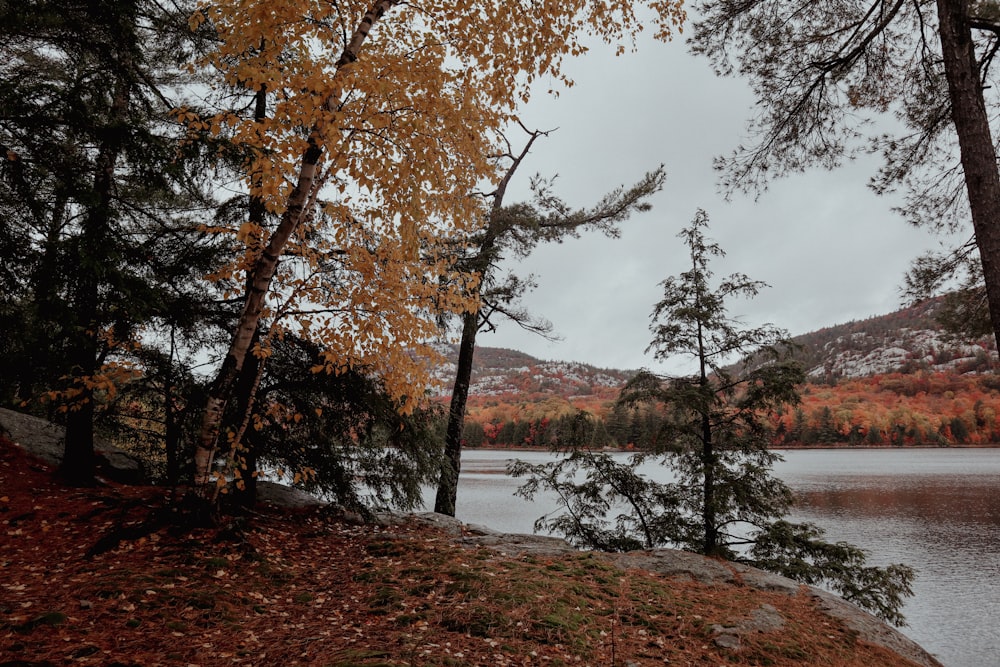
(104, 576)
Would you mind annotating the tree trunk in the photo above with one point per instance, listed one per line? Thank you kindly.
(708, 457)
(482, 263)
(171, 420)
(979, 159)
(447, 491)
(78, 455)
(244, 394)
(261, 274)
(263, 269)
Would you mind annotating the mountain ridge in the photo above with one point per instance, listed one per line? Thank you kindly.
(904, 341)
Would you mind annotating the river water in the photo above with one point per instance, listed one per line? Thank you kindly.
(937, 510)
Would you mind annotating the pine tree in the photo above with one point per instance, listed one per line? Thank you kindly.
(823, 71)
(93, 186)
(516, 230)
(723, 500)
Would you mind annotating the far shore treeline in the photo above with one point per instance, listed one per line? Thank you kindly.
(922, 409)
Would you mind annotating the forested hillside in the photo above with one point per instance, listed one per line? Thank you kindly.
(893, 380)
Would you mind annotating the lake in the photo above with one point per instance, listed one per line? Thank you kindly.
(937, 510)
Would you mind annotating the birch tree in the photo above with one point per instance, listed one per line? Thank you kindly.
(384, 118)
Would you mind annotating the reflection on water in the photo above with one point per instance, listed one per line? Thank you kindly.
(937, 510)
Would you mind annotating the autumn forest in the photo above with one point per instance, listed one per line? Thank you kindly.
(236, 236)
(889, 410)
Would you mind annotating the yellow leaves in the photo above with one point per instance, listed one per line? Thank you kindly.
(196, 20)
(102, 386)
(406, 131)
(304, 475)
(248, 231)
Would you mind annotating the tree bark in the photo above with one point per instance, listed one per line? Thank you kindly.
(497, 226)
(262, 273)
(978, 155)
(708, 458)
(263, 270)
(447, 491)
(78, 462)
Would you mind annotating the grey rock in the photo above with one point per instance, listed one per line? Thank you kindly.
(765, 581)
(279, 495)
(522, 545)
(36, 436)
(46, 441)
(478, 530)
(763, 619)
(870, 629)
(672, 563)
(726, 638)
(449, 524)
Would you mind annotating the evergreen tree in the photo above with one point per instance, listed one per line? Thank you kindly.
(821, 71)
(342, 435)
(723, 500)
(92, 187)
(515, 230)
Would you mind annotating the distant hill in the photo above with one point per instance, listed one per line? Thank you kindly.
(904, 341)
(498, 371)
(892, 380)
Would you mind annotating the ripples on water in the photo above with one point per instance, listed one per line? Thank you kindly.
(937, 510)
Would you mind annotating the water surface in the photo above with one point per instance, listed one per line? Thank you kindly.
(937, 510)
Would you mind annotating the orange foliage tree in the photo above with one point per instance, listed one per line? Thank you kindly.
(384, 118)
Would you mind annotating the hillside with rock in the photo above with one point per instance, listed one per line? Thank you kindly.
(499, 371)
(894, 380)
(906, 341)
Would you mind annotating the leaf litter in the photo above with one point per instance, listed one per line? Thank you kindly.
(95, 576)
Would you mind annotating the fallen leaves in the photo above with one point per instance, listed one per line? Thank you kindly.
(305, 589)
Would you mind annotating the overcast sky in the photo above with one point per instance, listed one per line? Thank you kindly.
(831, 250)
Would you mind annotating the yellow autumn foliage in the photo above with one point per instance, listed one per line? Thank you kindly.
(405, 103)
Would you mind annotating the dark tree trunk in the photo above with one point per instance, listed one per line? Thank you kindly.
(447, 492)
(708, 457)
(246, 387)
(77, 466)
(94, 255)
(979, 160)
(261, 274)
(78, 463)
(171, 420)
(244, 393)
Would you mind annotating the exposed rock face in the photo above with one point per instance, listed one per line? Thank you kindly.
(673, 563)
(46, 441)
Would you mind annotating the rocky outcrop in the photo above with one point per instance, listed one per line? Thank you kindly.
(46, 441)
(683, 564)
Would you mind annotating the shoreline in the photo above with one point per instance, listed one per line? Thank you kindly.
(773, 449)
